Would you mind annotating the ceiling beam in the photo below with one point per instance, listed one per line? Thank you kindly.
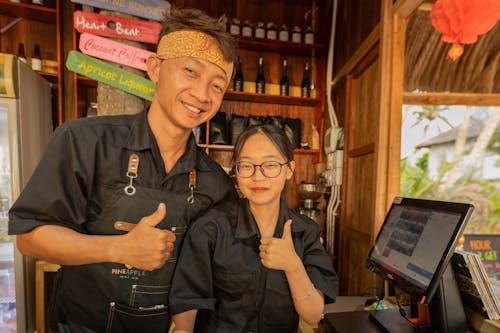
(426, 7)
(404, 8)
(451, 99)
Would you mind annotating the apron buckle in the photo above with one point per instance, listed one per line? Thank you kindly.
(192, 186)
(133, 167)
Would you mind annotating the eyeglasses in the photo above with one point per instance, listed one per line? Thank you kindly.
(269, 169)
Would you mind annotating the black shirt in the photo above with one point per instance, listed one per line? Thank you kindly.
(220, 272)
(87, 160)
(79, 183)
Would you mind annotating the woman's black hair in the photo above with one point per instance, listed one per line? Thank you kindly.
(274, 133)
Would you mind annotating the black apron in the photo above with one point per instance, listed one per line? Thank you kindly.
(111, 297)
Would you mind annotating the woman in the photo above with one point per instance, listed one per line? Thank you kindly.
(255, 265)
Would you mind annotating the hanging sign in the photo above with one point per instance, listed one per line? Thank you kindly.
(117, 27)
(487, 247)
(119, 53)
(109, 74)
(155, 10)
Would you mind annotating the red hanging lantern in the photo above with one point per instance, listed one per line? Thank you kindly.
(461, 21)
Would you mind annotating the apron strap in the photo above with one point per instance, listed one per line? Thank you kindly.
(133, 168)
(192, 186)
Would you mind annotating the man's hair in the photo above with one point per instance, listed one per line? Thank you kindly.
(195, 19)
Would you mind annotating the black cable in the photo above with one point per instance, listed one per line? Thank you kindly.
(402, 311)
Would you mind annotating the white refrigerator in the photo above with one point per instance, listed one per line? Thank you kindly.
(25, 129)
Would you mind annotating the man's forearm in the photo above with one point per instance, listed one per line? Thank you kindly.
(61, 245)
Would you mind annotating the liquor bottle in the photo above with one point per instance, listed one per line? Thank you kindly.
(234, 27)
(296, 35)
(246, 29)
(309, 36)
(20, 53)
(284, 82)
(260, 82)
(260, 30)
(305, 90)
(271, 31)
(36, 59)
(314, 138)
(284, 34)
(238, 76)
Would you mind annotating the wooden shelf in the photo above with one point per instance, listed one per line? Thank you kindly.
(230, 148)
(273, 99)
(28, 11)
(86, 81)
(262, 44)
(241, 96)
(49, 76)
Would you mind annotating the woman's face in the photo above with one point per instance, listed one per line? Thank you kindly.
(259, 189)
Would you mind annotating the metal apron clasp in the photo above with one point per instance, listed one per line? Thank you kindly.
(133, 166)
(192, 186)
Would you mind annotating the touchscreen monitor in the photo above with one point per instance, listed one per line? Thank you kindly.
(416, 242)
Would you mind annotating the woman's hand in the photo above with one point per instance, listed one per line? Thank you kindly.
(279, 253)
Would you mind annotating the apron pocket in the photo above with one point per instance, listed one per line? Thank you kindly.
(124, 319)
(148, 296)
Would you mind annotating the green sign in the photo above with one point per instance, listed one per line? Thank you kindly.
(111, 75)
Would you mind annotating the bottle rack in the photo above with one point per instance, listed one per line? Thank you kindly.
(38, 24)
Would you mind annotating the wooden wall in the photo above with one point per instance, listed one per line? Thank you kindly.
(355, 21)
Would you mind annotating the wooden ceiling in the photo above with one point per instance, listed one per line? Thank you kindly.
(428, 70)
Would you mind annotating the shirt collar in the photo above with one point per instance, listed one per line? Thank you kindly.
(141, 138)
(140, 135)
(246, 226)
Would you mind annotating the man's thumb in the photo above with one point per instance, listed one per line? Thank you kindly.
(287, 230)
(157, 216)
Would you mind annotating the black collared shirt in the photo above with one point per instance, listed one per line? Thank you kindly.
(220, 272)
(87, 160)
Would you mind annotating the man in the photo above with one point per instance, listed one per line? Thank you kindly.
(112, 196)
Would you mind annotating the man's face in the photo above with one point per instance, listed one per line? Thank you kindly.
(189, 91)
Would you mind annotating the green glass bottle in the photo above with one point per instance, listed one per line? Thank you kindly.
(305, 86)
(260, 82)
(284, 82)
(238, 76)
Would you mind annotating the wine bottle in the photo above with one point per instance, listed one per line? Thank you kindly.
(238, 76)
(305, 90)
(260, 82)
(36, 59)
(20, 53)
(284, 82)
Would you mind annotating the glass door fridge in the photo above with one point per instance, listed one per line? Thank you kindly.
(25, 128)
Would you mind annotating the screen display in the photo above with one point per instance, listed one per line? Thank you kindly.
(416, 241)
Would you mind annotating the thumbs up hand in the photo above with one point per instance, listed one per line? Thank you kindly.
(144, 246)
(279, 253)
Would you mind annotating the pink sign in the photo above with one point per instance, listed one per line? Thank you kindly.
(118, 27)
(119, 53)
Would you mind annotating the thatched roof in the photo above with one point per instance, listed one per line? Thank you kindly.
(428, 69)
(473, 131)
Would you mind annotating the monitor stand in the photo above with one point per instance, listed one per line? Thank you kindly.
(446, 312)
